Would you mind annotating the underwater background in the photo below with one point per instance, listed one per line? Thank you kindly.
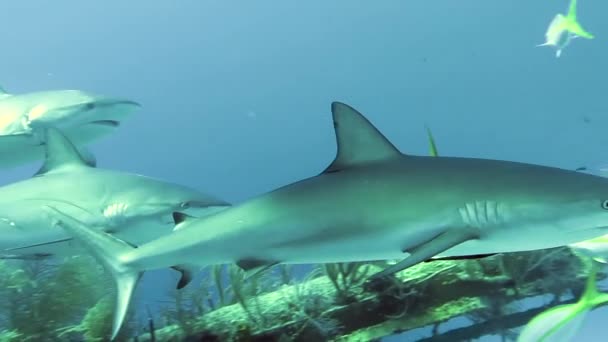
(236, 94)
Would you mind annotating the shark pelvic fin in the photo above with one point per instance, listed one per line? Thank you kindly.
(253, 266)
(107, 249)
(427, 250)
(358, 140)
(60, 153)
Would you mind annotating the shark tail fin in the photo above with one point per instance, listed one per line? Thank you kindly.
(108, 250)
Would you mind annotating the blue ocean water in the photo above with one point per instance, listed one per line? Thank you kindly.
(236, 94)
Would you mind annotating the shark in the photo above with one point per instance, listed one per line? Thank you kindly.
(83, 116)
(373, 202)
(133, 207)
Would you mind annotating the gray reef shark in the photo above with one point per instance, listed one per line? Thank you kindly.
(133, 207)
(83, 117)
(372, 203)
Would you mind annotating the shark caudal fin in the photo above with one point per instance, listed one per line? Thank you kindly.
(109, 251)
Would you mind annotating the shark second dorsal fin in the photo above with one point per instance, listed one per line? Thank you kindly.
(60, 153)
(359, 142)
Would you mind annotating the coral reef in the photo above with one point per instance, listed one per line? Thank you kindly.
(332, 303)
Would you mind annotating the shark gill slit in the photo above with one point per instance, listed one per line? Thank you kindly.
(480, 214)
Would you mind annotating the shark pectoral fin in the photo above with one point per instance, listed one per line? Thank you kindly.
(39, 244)
(427, 250)
(33, 256)
(462, 257)
(108, 250)
(60, 153)
(358, 141)
(253, 266)
(187, 272)
(180, 219)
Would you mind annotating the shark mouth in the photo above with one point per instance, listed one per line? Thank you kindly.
(108, 123)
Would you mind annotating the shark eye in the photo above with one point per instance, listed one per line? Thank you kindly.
(186, 205)
(605, 204)
(89, 106)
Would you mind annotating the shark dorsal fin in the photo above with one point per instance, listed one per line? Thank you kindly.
(60, 153)
(179, 218)
(358, 140)
(88, 157)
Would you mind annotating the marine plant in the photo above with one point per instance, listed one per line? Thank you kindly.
(37, 305)
(96, 326)
(345, 277)
(10, 336)
(245, 289)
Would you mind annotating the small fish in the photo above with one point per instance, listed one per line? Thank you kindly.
(564, 28)
(562, 322)
(596, 249)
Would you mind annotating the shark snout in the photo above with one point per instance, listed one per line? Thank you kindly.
(100, 111)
